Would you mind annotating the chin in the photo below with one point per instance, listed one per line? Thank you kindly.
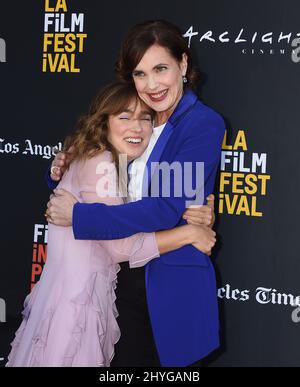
(160, 107)
(135, 155)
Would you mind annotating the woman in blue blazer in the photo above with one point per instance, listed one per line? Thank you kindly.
(180, 285)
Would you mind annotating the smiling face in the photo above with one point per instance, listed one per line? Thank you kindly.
(158, 81)
(129, 132)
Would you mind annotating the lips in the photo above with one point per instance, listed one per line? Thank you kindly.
(158, 97)
(133, 140)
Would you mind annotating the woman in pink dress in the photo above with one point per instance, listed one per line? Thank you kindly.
(69, 318)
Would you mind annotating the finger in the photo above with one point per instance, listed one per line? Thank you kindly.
(55, 170)
(60, 163)
(49, 204)
(57, 221)
(196, 214)
(194, 223)
(57, 161)
(53, 202)
(210, 197)
(59, 192)
(211, 201)
(52, 205)
(55, 173)
(48, 217)
(212, 242)
(204, 219)
(198, 221)
(195, 219)
(196, 211)
(60, 156)
(208, 212)
(50, 212)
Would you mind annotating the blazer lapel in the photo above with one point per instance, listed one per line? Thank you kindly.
(185, 104)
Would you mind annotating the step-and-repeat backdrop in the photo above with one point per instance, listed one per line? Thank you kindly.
(56, 54)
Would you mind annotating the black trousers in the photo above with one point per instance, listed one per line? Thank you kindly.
(136, 347)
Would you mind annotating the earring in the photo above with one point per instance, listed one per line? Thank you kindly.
(184, 79)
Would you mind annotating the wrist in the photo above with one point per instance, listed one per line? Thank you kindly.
(188, 234)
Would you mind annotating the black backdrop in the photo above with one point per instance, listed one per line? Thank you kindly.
(247, 75)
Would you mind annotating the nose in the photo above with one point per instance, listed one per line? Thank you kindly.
(152, 82)
(136, 126)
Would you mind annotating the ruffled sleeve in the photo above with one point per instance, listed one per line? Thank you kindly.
(97, 180)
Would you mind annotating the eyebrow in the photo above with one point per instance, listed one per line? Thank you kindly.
(132, 111)
(159, 64)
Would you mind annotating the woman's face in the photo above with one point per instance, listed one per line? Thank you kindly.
(129, 132)
(158, 80)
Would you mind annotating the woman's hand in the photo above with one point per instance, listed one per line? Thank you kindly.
(59, 166)
(201, 215)
(204, 238)
(60, 208)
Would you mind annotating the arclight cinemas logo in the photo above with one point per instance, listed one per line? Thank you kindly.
(2, 51)
(250, 42)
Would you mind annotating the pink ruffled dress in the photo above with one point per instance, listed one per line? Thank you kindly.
(69, 318)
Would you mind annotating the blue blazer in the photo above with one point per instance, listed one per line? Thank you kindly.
(180, 285)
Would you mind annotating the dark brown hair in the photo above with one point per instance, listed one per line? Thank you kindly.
(143, 36)
(91, 132)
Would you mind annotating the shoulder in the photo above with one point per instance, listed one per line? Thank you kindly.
(95, 166)
(101, 157)
(202, 124)
(204, 114)
(196, 115)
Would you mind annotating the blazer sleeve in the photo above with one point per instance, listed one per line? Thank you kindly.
(99, 221)
(138, 249)
(51, 183)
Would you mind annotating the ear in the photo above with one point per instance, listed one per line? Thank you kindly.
(184, 64)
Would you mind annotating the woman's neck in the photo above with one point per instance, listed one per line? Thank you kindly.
(162, 117)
